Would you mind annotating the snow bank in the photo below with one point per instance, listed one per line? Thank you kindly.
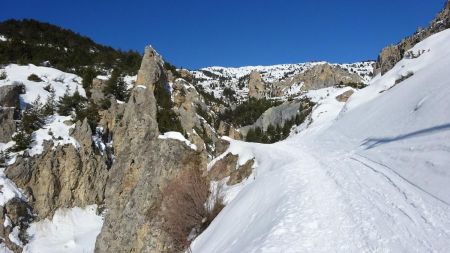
(51, 77)
(71, 230)
(177, 136)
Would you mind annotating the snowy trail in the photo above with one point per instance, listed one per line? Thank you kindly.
(370, 175)
(311, 199)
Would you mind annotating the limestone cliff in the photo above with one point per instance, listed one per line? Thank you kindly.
(392, 54)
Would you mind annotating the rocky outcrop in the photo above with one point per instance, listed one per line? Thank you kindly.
(392, 54)
(228, 166)
(277, 115)
(7, 123)
(96, 90)
(15, 216)
(152, 69)
(64, 176)
(256, 86)
(9, 95)
(344, 96)
(226, 129)
(143, 166)
(318, 77)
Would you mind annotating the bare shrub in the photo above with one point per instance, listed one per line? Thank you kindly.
(186, 214)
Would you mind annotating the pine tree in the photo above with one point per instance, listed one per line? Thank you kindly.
(68, 103)
(50, 105)
(23, 140)
(88, 75)
(116, 86)
(65, 103)
(32, 117)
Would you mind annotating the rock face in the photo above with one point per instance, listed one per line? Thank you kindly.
(226, 129)
(62, 177)
(228, 166)
(318, 77)
(392, 54)
(9, 95)
(16, 214)
(256, 86)
(143, 166)
(152, 69)
(7, 123)
(9, 110)
(97, 94)
(274, 116)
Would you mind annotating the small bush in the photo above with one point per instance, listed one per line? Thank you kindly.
(186, 214)
(34, 78)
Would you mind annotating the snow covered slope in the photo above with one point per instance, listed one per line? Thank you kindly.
(371, 175)
(215, 79)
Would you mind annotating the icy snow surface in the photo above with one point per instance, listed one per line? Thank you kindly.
(371, 175)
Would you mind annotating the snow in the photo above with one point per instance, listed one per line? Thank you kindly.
(8, 190)
(371, 175)
(14, 236)
(177, 136)
(51, 77)
(71, 230)
(56, 130)
(215, 79)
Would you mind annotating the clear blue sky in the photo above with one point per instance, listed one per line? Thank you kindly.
(195, 34)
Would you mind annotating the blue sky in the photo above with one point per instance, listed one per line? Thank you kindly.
(194, 34)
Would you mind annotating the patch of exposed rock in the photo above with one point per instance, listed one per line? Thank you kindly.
(15, 216)
(256, 86)
(9, 110)
(97, 94)
(64, 176)
(226, 129)
(277, 115)
(7, 123)
(229, 166)
(392, 54)
(9, 95)
(318, 77)
(344, 96)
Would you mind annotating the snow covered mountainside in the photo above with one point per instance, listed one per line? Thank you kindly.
(371, 175)
(216, 79)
